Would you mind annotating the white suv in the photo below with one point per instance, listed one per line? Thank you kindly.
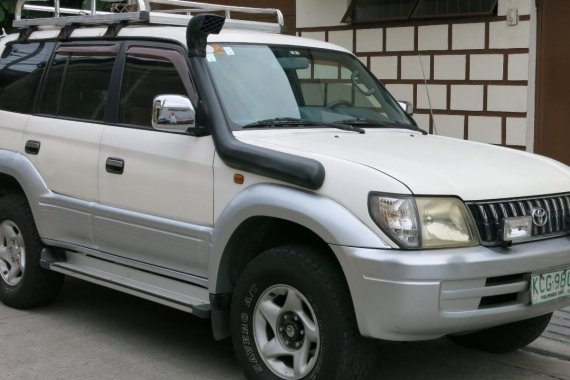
(267, 182)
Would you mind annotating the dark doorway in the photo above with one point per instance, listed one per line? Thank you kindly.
(552, 133)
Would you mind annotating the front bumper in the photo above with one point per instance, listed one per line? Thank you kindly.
(419, 295)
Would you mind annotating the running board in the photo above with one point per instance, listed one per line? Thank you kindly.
(177, 294)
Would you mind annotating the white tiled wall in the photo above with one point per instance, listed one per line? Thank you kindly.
(503, 36)
(468, 36)
(384, 67)
(413, 69)
(402, 91)
(518, 66)
(437, 96)
(486, 67)
(477, 69)
(433, 37)
(516, 131)
(343, 38)
(449, 67)
(467, 97)
(485, 129)
(449, 125)
(369, 40)
(400, 39)
(507, 98)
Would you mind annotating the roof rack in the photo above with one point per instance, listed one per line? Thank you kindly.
(142, 11)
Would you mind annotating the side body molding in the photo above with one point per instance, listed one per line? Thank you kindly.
(326, 218)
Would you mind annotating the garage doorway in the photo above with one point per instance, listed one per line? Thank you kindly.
(552, 136)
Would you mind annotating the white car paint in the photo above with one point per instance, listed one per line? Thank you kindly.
(170, 177)
(430, 165)
(68, 155)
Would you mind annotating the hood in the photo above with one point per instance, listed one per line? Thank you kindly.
(427, 165)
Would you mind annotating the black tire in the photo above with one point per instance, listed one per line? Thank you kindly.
(343, 353)
(37, 286)
(505, 338)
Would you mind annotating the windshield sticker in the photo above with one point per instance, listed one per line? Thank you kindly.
(229, 51)
(218, 50)
(211, 57)
(294, 52)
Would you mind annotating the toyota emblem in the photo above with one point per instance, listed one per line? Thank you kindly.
(539, 217)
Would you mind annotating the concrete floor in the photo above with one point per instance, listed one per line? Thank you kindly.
(96, 333)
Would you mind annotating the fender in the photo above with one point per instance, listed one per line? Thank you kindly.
(329, 220)
(53, 213)
(21, 168)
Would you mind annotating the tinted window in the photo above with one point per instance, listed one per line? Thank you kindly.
(77, 86)
(144, 78)
(21, 68)
(52, 87)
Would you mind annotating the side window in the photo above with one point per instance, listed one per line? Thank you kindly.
(77, 83)
(52, 88)
(21, 68)
(149, 72)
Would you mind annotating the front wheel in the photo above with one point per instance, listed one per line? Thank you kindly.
(292, 318)
(505, 338)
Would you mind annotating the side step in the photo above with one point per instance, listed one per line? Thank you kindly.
(177, 294)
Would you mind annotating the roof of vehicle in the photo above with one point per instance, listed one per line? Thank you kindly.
(178, 34)
(144, 19)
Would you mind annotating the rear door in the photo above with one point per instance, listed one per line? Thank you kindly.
(159, 209)
(21, 68)
(62, 139)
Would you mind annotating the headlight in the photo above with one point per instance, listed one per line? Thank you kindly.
(423, 222)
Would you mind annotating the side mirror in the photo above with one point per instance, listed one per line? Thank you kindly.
(407, 107)
(173, 113)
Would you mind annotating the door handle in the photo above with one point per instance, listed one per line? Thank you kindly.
(32, 147)
(115, 165)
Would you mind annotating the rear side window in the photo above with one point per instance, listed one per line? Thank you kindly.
(21, 68)
(77, 83)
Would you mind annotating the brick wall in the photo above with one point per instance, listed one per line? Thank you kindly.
(476, 70)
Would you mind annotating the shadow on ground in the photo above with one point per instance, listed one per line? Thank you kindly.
(95, 333)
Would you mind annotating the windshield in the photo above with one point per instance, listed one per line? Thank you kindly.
(258, 82)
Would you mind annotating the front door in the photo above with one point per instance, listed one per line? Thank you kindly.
(158, 209)
(552, 136)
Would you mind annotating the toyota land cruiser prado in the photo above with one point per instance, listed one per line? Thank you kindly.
(267, 182)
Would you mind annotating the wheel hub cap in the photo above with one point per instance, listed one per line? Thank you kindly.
(291, 330)
(12, 253)
(286, 332)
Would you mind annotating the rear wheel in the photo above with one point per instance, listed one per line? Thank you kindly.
(23, 283)
(505, 338)
(292, 318)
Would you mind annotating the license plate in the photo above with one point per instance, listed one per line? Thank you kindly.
(549, 286)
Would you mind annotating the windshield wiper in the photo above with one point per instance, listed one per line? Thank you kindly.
(281, 122)
(375, 123)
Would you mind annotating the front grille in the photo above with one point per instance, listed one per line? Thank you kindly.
(488, 216)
